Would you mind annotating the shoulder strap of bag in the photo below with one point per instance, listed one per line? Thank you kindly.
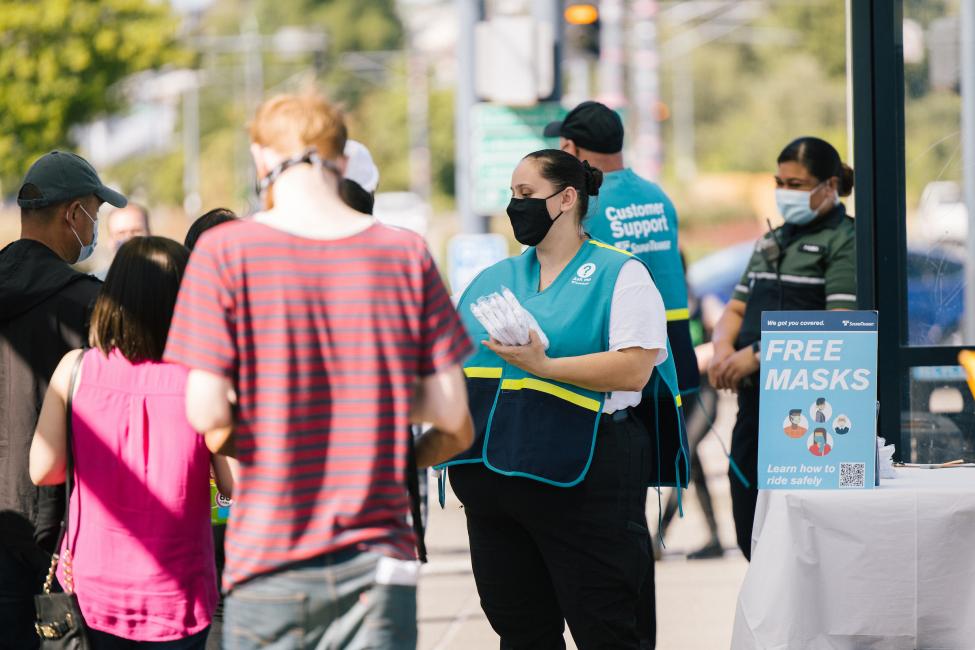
(68, 478)
(69, 448)
(413, 488)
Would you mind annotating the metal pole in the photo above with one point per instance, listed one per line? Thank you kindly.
(468, 12)
(191, 150)
(418, 113)
(646, 89)
(611, 53)
(548, 11)
(968, 157)
(849, 86)
(683, 104)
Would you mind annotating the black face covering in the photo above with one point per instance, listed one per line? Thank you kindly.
(530, 219)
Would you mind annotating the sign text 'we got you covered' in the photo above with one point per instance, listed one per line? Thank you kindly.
(818, 404)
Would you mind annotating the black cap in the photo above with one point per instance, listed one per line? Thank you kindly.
(592, 126)
(62, 176)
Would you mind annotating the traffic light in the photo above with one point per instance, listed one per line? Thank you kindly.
(581, 30)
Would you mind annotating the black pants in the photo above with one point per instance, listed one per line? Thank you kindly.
(744, 451)
(544, 555)
(214, 640)
(22, 572)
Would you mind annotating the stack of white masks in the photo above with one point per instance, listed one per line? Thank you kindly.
(885, 456)
(505, 319)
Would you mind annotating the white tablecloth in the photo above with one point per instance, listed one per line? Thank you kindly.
(891, 568)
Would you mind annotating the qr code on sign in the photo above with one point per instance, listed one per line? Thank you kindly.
(851, 475)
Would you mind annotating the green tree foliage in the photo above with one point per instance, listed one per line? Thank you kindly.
(58, 62)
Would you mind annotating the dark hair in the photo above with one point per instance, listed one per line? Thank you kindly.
(212, 218)
(356, 197)
(565, 170)
(135, 305)
(821, 160)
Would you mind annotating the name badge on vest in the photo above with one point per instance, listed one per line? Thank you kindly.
(811, 248)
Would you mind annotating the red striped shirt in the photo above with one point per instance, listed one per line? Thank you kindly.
(323, 340)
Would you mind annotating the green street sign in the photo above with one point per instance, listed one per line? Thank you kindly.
(501, 136)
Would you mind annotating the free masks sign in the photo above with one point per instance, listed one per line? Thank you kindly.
(817, 411)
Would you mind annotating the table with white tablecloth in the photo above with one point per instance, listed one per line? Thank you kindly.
(891, 568)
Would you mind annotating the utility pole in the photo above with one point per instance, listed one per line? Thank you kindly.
(612, 57)
(683, 112)
(645, 66)
(191, 148)
(469, 13)
(547, 11)
(418, 118)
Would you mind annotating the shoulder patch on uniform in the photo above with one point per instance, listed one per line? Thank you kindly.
(811, 248)
(596, 242)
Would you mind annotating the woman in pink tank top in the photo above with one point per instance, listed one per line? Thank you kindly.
(141, 549)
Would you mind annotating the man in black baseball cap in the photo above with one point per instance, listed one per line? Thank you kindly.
(636, 215)
(44, 309)
(590, 126)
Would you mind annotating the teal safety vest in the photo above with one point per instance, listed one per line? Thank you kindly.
(538, 428)
(635, 215)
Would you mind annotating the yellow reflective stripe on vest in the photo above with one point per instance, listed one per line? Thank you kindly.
(545, 387)
(483, 373)
(612, 248)
(678, 314)
(679, 400)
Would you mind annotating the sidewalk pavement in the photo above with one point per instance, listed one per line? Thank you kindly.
(695, 599)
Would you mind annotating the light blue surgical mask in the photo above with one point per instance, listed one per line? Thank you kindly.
(86, 249)
(794, 205)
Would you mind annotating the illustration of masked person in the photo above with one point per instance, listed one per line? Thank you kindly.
(820, 444)
(820, 409)
(795, 429)
(842, 425)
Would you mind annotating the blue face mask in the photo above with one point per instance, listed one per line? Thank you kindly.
(794, 205)
(86, 249)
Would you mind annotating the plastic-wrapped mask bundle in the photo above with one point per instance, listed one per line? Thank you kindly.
(505, 319)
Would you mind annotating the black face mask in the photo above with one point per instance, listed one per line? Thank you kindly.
(530, 219)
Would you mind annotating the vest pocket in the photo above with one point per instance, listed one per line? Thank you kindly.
(542, 435)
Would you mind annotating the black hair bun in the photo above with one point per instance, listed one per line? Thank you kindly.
(846, 180)
(594, 178)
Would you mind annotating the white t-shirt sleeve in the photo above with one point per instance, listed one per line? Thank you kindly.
(637, 317)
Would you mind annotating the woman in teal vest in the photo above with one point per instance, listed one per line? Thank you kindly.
(554, 487)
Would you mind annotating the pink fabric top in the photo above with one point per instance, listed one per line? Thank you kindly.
(140, 510)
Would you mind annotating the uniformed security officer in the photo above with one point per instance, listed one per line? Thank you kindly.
(806, 264)
(554, 487)
(636, 215)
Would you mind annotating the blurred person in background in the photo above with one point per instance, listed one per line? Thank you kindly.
(205, 222)
(700, 415)
(218, 507)
(141, 561)
(124, 224)
(808, 263)
(44, 311)
(361, 178)
(318, 335)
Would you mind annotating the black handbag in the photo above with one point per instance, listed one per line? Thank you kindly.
(60, 624)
